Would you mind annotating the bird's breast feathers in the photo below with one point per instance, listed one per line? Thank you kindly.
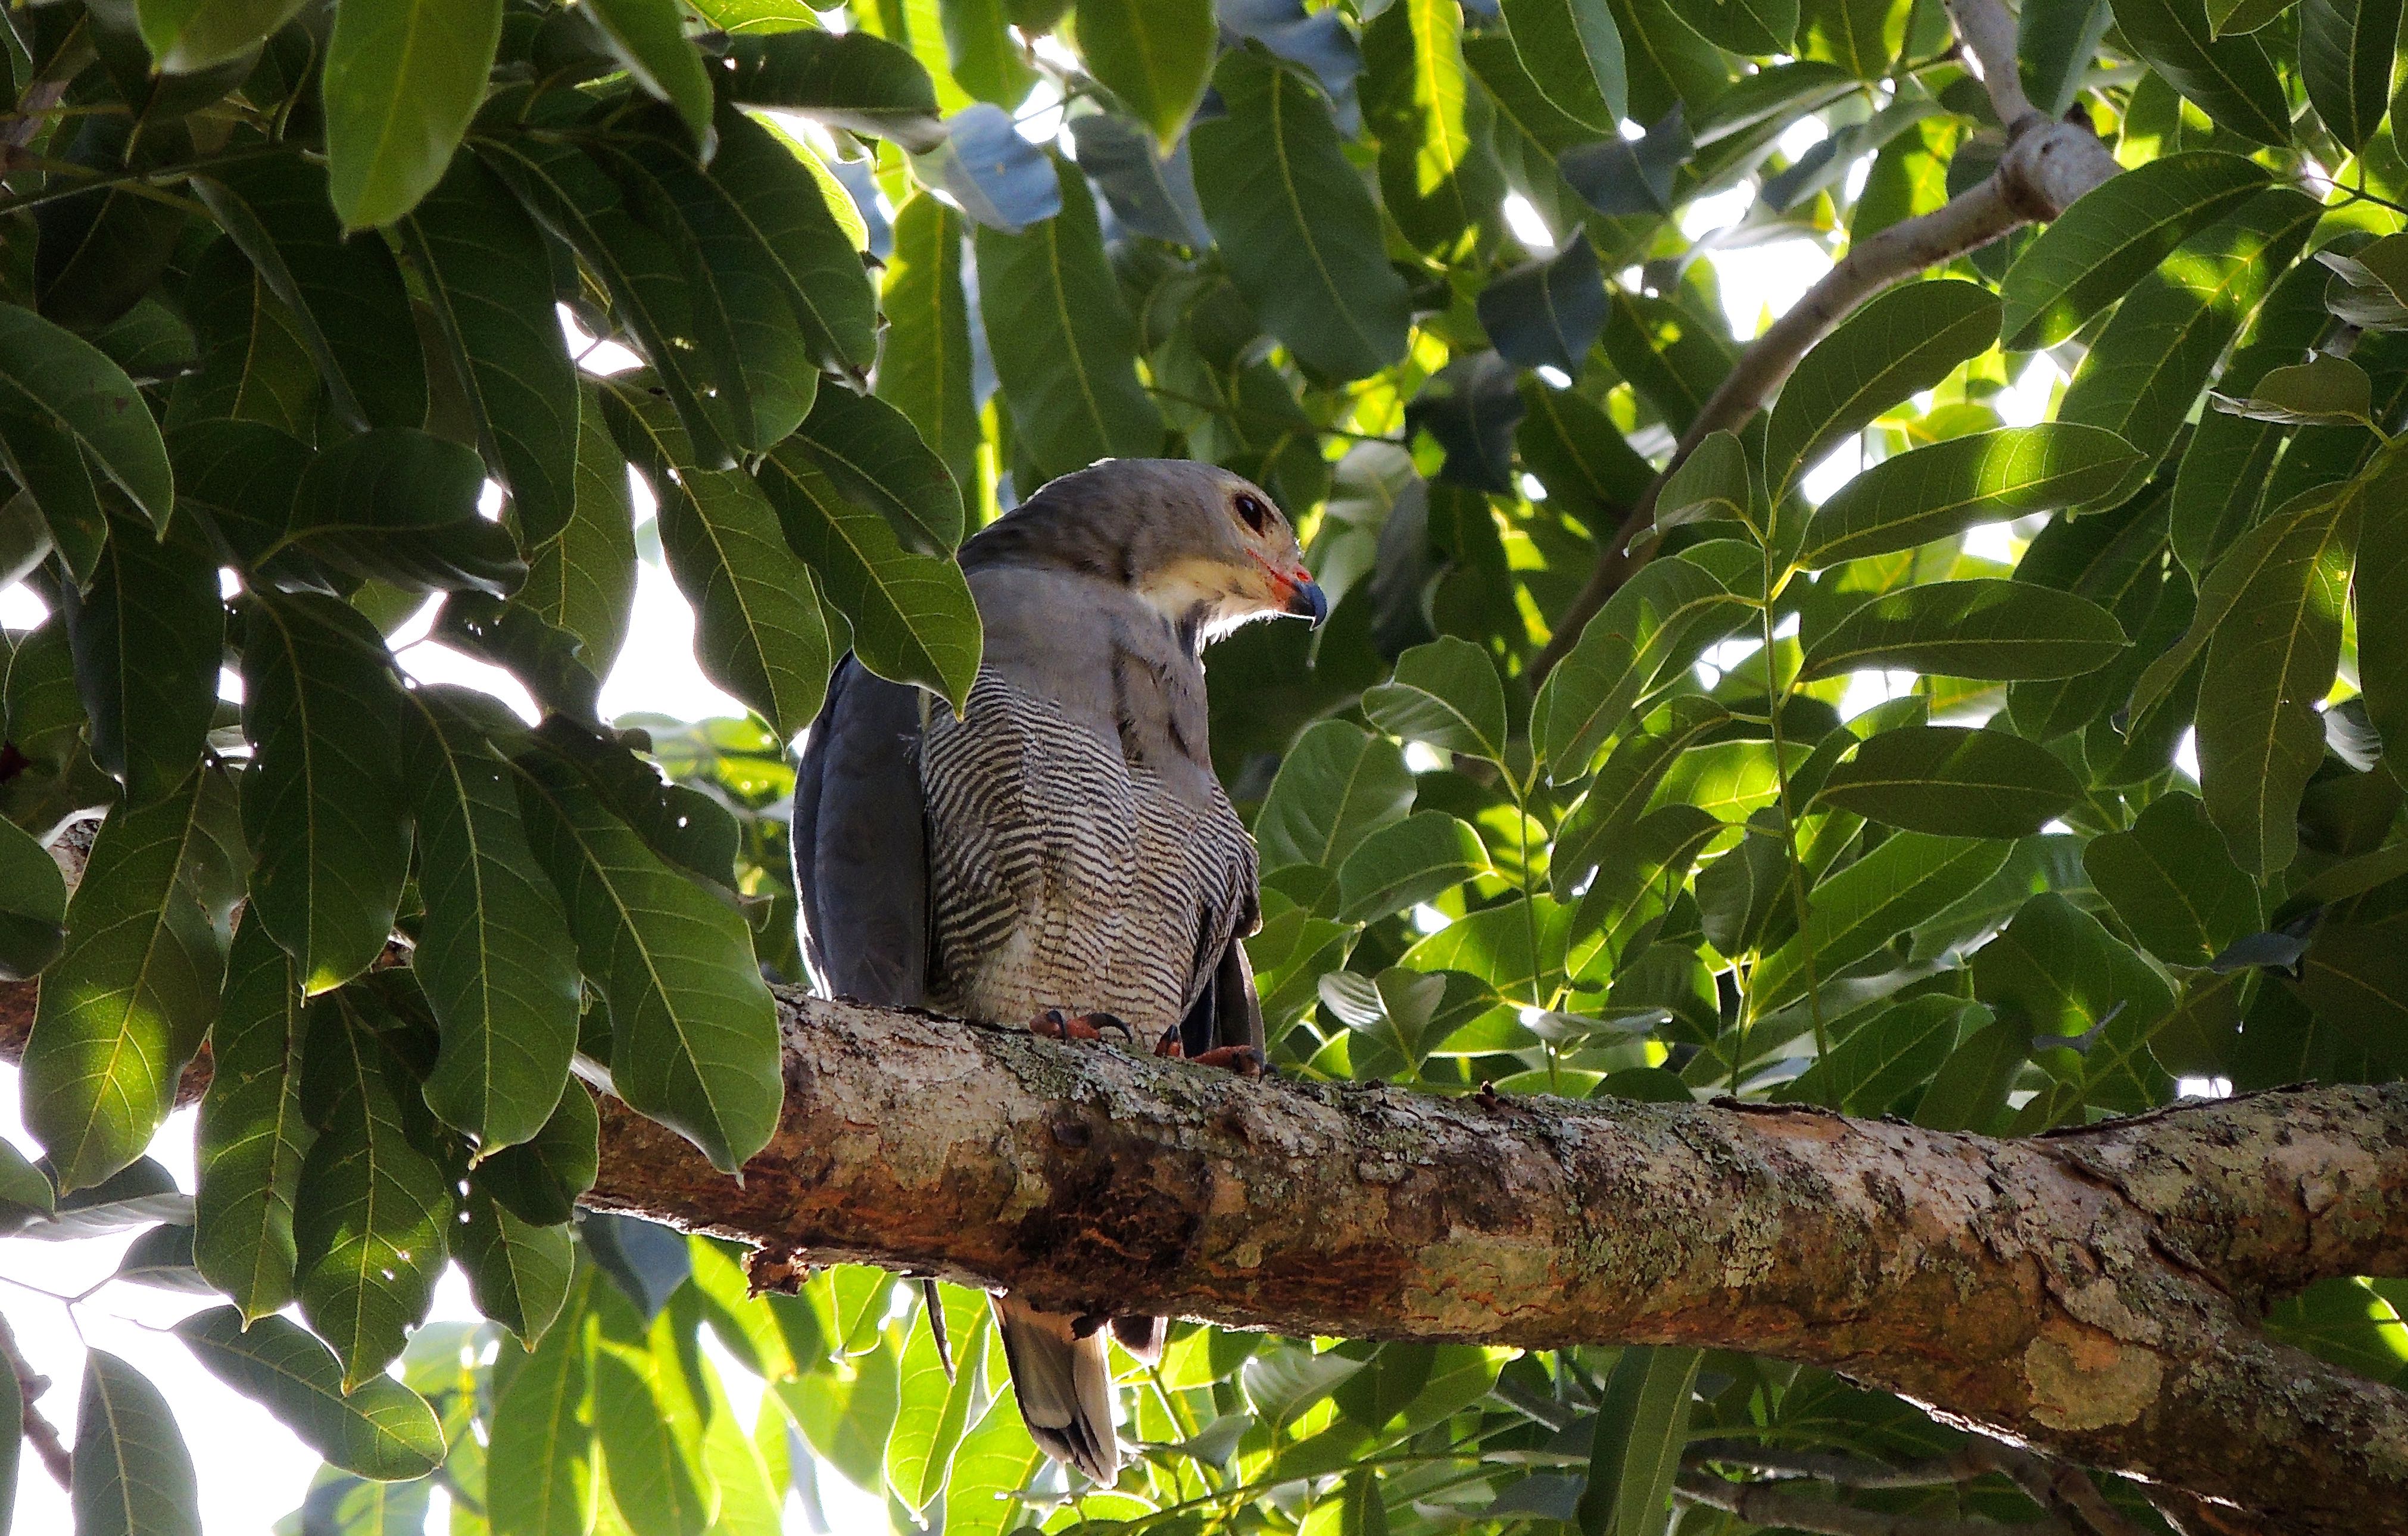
(1069, 871)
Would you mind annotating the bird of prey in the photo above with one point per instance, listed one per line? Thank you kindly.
(1061, 853)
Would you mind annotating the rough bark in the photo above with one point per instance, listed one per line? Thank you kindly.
(2092, 1293)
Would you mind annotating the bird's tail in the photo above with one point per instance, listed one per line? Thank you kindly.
(1064, 1385)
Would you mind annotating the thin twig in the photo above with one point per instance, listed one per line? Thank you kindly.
(1764, 1504)
(41, 1431)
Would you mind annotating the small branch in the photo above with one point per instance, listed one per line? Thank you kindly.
(2046, 167)
(1845, 1471)
(1763, 1504)
(41, 1431)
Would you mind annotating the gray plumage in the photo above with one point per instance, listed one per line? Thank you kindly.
(1065, 842)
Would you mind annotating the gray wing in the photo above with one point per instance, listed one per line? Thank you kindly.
(1228, 1011)
(861, 841)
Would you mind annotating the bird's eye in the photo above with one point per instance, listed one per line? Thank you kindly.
(1251, 508)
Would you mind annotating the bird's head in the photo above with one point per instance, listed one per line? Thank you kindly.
(1208, 549)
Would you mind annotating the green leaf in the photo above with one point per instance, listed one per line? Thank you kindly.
(1970, 630)
(1335, 787)
(346, 297)
(255, 364)
(1065, 347)
(911, 615)
(777, 186)
(1910, 877)
(148, 636)
(1947, 487)
(1295, 223)
(1642, 1423)
(1620, 792)
(251, 1135)
(539, 1466)
(541, 1180)
(2229, 77)
(518, 1272)
(489, 281)
(2172, 884)
(381, 1430)
(924, 358)
(125, 1004)
(2346, 50)
(932, 1404)
(1951, 781)
(133, 1475)
(1437, 175)
(2144, 375)
(1573, 53)
(874, 456)
(1903, 342)
(399, 505)
(647, 38)
(582, 579)
(321, 802)
(847, 80)
(1968, 1089)
(1154, 54)
(650, 1423)
(185, 35)
(67, 414)
(2324, 390)
(1410, 862)
(693, 1031)
(2270, 657)
(673, 316)
(759, 629)
(493, 953)
(1660, 620)
(33, 905)
(2114, 236)
(401, 82)
(1714, 482)
(1446, 694)
(1884, 1060)
(996, 1461)
(373, 1213)
(2057, 971)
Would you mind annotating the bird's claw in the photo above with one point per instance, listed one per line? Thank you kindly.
(1054, 1024)
(1244, 1060)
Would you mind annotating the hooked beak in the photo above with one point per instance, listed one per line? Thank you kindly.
(1307, 601)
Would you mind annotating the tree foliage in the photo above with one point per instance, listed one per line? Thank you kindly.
(1871, 783)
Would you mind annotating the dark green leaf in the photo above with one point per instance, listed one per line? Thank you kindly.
(401, 83)
(1947, 487)
(190, 34)
(1410, 862)
(1907, 879)
(133, 1475)
(1295, 223)
(346, 296)
(493, 953)
(1446, 693)
(1547, 313)
(693, 1032)
(2172, 882)
(924, 358)
(2088, 1002)
(2229, 77)
(647, 38)
(32, 906)
(1573, 53)
(1065, 348)
(373, 1213)
(518, 1272)
(489, 281)
(1970, 630)
(1887, 1057)
(1337, 785)
(582, 579)
(251, 1135)
(1903, 342)
(911, 615)
(322, 801)
(67, 414)
(1642, 1423)
(539, 1181)
(768, 186)
(849, 80)
(1154, 54)
(2111, 238)
(400, 506)
(2346, 61)
(1953, 782)
(380, 1430)
(148, 636)
(126, 1003)
(874, 456)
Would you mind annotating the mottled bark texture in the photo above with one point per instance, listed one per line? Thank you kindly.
(2092, 1293)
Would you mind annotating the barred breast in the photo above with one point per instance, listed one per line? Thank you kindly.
(1062, 874)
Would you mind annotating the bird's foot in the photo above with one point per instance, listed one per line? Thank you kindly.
(1054, 1024)
(1244, 1060)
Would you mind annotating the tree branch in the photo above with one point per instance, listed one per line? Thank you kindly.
(1763, 1504)
(2046, 167)
(2090, 1294)
(43, 1435)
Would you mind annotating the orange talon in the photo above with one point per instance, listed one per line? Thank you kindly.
(1054, 1024)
